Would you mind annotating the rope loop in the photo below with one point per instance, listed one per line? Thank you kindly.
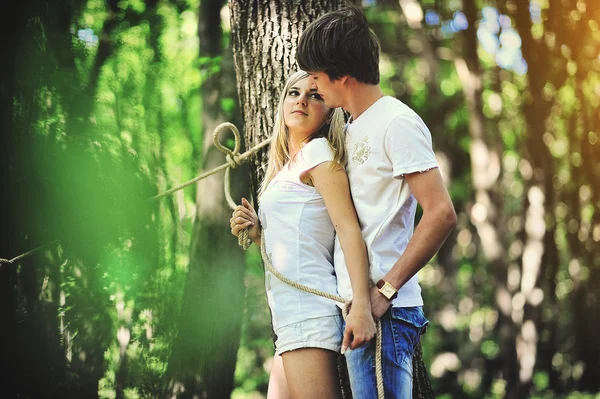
(232, 156)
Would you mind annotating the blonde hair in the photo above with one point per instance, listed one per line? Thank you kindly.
(332, 130)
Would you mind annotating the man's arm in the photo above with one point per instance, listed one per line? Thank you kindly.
(439, 219)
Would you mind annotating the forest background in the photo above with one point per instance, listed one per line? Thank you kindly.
(107, 103)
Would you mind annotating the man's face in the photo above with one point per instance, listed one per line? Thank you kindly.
(330, 90)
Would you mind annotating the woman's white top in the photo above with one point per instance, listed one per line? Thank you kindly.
(299, 239)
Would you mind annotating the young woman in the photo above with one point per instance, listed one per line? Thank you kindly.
(304, 202)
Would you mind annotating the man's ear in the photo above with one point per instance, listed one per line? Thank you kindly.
(343, 79)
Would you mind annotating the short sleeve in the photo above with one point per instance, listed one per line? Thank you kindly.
(314, 153)
(409, 146)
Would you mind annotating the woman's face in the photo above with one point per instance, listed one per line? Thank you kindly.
(304, 111)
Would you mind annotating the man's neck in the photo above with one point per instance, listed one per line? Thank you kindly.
(360, 97)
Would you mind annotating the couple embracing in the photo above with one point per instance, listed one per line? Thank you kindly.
(347, 167)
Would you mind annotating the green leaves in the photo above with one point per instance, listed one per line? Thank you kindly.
(94, 199)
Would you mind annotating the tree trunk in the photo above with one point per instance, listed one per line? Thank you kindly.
(265, 35)
(204, 355)
(540, 255)
(487, 214)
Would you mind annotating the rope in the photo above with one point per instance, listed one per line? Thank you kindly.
(233, 158)
(345, 311)
(378, 363)
(294, 284)
(8, 262)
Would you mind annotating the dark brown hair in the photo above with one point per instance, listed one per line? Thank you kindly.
(340, 43)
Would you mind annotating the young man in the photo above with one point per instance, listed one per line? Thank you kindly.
(391, 167)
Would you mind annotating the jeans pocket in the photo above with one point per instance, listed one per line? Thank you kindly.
(407, 325)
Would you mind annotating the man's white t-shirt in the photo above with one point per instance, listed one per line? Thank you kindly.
(385, 142)
(299, 240)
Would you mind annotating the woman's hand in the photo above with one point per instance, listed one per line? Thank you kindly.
(360, 327)
(244, 216)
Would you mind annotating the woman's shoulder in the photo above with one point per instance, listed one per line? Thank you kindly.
(317, 145)
(314, 152)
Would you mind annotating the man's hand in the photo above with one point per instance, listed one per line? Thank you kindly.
(379, 303)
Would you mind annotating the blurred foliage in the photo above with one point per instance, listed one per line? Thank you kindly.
(116, 120)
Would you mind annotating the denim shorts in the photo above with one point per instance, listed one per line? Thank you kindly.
(320, 332)
(401, 332)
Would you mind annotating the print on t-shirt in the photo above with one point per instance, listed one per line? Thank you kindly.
(361, 151)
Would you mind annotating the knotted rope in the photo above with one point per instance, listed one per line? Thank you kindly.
(233, 158)
(336, 298)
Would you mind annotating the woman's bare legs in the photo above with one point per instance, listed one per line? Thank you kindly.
(312, 373)
(278, 387)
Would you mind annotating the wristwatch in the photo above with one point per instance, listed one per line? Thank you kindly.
(387, 290)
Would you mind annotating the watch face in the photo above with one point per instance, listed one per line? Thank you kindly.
(388, 291)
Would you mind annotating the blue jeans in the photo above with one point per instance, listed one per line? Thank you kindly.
(401, 332)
